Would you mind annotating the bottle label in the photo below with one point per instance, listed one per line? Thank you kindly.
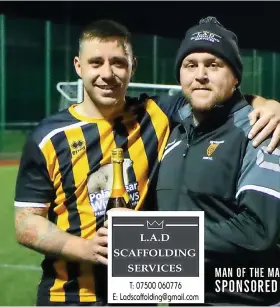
(99, 188)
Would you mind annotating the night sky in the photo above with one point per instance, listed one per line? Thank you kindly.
(255, 23)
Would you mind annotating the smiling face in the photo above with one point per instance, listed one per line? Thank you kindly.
(106, 67)
(206, 80)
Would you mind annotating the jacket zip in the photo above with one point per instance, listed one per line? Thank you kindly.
(186, 150)
(189, 138)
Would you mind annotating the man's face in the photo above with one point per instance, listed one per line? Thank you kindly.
(206, 80)
(106, 68)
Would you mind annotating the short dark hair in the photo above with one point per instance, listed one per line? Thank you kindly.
(105, 29)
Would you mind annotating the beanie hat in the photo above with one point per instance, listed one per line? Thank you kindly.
(210, 36)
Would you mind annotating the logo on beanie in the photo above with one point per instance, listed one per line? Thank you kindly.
(206, 36)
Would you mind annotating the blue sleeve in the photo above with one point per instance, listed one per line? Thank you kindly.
(257, 226)
(170, 104)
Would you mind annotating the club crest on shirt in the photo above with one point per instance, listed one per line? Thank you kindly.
(211, 149)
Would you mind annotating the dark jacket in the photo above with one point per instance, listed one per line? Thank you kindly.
(214, 167)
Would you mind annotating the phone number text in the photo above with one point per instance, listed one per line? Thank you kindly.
(155, 285)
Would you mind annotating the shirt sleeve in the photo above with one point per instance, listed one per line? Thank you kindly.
(33, 186)
(257, 225)
(171, 104)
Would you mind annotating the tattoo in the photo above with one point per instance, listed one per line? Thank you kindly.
(24, 231)
(36, 232)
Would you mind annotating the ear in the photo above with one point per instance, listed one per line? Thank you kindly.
(134, 65)
(235, 83)
(77, 66)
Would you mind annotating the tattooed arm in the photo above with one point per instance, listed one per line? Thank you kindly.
(35, 231)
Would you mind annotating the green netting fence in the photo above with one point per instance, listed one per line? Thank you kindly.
(35, 55)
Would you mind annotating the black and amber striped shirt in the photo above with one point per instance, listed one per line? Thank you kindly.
(66, 164)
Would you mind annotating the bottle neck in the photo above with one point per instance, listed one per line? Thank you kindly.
(118, 188)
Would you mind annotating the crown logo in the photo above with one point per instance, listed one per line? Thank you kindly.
(155, 225)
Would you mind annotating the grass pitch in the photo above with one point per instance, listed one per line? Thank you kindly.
(19, 267)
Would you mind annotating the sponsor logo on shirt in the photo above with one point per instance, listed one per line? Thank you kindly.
(100, 183)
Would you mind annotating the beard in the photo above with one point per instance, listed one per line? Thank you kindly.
(204, 105)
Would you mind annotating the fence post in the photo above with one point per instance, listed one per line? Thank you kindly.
(2, 81)
(274, 76)
(67, 51)
(155, 58)
(47, 68)
(254, 70)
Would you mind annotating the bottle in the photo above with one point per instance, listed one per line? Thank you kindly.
(119, 197)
